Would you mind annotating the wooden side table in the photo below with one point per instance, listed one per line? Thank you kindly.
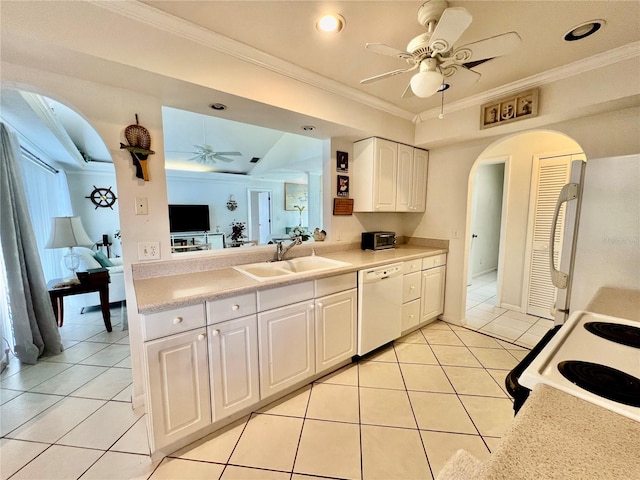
(94, 280)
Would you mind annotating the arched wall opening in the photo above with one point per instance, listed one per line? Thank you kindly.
(519, 154)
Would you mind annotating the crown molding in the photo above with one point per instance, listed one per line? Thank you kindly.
(625, 52)
(143, 13)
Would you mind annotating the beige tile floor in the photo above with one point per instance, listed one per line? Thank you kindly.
(398, 414)
(484, 316)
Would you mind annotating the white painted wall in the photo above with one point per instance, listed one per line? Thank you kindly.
(96, 221)
(448, 192)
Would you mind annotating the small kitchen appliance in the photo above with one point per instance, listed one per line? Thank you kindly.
(378, 240)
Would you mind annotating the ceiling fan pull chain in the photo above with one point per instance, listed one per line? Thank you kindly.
(441, 116)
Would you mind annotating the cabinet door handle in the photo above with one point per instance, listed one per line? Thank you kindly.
(320, 304)
(312, 306)
(215, 332)
(413, 287)
(235, 307)
(411, 316)
(177, 320)
(201, 337)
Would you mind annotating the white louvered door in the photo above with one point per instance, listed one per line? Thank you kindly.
(550, 175)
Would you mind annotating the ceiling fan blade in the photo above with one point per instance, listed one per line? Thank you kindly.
(450, 27)
(385, 49)
(488, 48)
(459, 77)
(228, 153)
(198, 158)
(387, 75)
(408, 93)
(218, 156)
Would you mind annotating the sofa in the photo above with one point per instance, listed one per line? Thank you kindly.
(91, 259)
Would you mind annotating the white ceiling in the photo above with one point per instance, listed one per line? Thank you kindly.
(285, 30)
(281, 35)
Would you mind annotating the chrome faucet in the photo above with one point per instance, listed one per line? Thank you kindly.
(281, 249)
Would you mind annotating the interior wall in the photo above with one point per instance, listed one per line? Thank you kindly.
(608, 134)
(486, 217)
(97, 221)
(185, 188)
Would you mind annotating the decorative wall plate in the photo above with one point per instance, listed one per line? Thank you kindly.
(102, 197)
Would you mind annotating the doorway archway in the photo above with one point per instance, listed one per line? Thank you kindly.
(498, 307)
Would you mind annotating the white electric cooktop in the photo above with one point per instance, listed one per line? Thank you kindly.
(607, 373)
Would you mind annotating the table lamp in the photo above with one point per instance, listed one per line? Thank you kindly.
(68, 232)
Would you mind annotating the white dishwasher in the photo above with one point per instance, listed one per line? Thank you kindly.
(379, 306)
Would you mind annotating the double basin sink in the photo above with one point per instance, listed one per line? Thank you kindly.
(263, 271)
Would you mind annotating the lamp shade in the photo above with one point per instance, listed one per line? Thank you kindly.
(67, 232)
(424, 84)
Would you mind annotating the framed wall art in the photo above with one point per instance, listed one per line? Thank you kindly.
(342, 162)
(516, 107)
(343, 186)
(296, 197)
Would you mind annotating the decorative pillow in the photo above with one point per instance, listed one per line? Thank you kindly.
(102, 259)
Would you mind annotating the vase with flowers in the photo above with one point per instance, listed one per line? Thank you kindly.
(300, 232)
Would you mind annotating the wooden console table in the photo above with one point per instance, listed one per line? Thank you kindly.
(95, 280)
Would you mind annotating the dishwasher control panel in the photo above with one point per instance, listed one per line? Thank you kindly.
(380, 273)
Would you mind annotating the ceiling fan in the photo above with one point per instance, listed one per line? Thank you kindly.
(205, 153)
(439, 63)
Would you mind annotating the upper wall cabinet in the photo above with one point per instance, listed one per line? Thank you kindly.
(390, 177)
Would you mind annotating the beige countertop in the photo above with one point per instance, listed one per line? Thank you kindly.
(173, 291)
(556, 435)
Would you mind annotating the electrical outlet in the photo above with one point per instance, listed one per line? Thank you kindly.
(148, 250)
(142, 206)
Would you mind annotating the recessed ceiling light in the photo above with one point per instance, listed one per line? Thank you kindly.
(584, 30)
(308, 128)
(331, 23)
(218, 106)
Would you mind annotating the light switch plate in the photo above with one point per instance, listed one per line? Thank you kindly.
(142, 206)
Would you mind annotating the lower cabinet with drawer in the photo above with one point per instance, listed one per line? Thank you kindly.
(209, 362)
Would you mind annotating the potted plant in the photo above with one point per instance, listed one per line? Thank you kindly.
(237, 231)
(300, 232)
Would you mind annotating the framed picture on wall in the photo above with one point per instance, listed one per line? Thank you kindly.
(342, 162)
(296, 197)
(343, 186)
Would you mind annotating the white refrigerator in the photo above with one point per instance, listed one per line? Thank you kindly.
(601, 239)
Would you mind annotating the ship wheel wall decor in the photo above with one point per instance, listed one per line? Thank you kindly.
(102, 197)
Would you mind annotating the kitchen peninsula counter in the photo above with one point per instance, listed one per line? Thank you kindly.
(558, 436)
(176, 288)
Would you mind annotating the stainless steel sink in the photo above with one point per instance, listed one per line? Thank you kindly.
(263, 271)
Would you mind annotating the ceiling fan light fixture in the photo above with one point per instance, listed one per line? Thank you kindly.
(330, 23)
(583, 30)
(424, 84)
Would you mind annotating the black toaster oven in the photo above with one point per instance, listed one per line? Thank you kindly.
(378, 240)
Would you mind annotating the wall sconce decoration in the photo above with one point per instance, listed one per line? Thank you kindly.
(232, 204)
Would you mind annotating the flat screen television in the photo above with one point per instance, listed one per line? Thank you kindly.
(188, 218)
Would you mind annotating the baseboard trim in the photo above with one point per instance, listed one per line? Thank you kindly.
(508, 306)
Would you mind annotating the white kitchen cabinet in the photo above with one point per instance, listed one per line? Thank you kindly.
(418, 187)
(432, 294)
(233, 363)
(178, 394)
(410, 316)
(411, 190)
(286, 343)
(392, 177)
(336, 328)
(376, 164)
